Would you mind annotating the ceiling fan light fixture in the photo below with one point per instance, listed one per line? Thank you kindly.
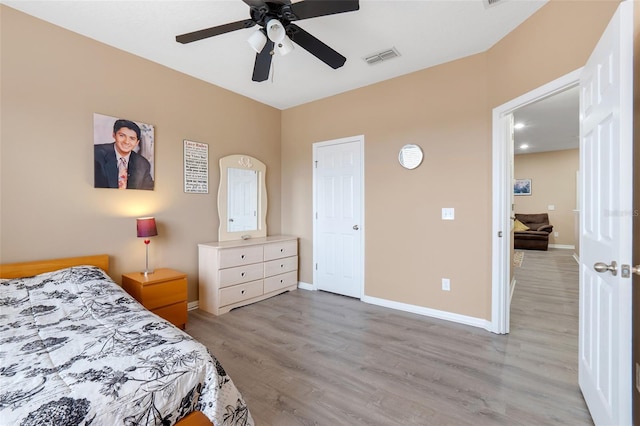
(275, 31)
(257, 40)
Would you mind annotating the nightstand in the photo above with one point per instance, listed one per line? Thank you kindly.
(164, 292)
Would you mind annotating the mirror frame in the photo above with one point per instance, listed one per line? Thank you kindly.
(240, 161)
(415, 156)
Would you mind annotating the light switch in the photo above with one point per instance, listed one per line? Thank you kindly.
(551, 207)
(448, 213)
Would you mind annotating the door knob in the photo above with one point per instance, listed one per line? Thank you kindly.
(603, 267)
(355, 227)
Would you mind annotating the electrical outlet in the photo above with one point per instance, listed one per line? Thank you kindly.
(446, 284)
(448, 213)
(555, 234)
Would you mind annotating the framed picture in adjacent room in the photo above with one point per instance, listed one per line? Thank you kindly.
(522, 187)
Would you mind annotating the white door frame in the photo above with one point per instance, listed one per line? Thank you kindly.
(360, 140)
(502, 196)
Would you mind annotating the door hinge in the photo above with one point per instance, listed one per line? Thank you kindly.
(316, 215)
(316, 266)
(316, 163)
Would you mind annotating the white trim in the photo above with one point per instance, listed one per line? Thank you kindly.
(562, 246)
(192, 306)
(306, 286)
(433, 313)
(576, 258)
(502, 193)
(360, 140)
(512, 289)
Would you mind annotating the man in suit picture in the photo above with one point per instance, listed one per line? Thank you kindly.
(116, 165)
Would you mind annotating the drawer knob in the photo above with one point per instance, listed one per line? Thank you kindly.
(281, 281)
(242, 257)
(281, 250)
(282, 266)
(242, 274)
(242, 291)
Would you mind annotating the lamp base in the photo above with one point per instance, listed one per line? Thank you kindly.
(146, 262)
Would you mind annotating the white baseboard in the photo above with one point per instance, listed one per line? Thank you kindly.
(576, 258)
(306, 286)
(562, 246)
(193, 305)
(433, 313)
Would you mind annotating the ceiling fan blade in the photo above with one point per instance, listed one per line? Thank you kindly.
(312, 8)
(214, 31)
(315, 47)
(260, 3)
(263, 63)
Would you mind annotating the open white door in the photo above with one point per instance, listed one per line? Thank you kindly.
(606, 211)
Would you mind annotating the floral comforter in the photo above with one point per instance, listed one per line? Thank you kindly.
(75, 349)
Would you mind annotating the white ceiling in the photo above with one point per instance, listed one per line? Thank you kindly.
(550, 124)
(425, 33)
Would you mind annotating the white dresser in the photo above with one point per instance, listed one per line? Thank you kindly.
(236, 273)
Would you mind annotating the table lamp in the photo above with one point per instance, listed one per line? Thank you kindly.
(147, 228)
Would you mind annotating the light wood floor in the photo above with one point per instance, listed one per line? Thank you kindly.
(314, 358)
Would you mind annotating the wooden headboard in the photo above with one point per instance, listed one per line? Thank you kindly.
(27, 269)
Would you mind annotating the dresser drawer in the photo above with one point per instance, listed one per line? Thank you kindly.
(280, 266)
(240, 292)
(164, 293)
(240, 274)
(280, 249)
(175, 314)
(240, 256)
(280, 281)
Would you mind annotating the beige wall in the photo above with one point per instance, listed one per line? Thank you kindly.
(50, 90)
(52, 82)
(553, 176)
(447, 110)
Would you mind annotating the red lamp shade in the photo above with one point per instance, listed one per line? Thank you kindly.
(147, 227)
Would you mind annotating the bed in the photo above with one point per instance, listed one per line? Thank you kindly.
(76, 349)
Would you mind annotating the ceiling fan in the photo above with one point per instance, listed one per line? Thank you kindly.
(275, 17)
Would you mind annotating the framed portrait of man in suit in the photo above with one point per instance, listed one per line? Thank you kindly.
(123, 153)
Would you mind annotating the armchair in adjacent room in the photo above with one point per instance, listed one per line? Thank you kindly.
(531, 231)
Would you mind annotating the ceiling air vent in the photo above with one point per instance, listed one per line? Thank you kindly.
(385, 55)
(490, 3)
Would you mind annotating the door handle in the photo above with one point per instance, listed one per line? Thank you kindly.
(603, 267)
(355, 227)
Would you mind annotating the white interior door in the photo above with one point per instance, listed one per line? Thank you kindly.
(338, 219)
(606, 226)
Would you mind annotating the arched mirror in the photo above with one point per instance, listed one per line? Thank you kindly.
(242, 198)
(410, 156)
